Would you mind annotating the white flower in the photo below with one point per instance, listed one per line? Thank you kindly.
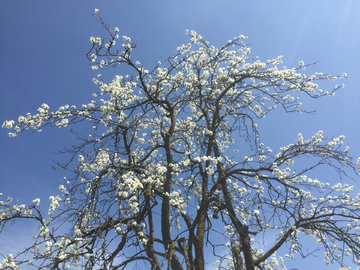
(96, 10)
(62, 188)
(36, 201)
(45, 106)
(8, 124)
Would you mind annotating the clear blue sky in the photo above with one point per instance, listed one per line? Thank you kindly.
(43, 60)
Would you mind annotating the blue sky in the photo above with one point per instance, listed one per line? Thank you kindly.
(43, 60)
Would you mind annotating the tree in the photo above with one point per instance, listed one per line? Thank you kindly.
(174, 168)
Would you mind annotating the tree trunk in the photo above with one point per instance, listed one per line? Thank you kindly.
(238, 261)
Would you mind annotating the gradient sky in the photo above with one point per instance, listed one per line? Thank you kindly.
(43, 60)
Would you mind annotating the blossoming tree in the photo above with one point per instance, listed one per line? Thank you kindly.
(164, 180)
